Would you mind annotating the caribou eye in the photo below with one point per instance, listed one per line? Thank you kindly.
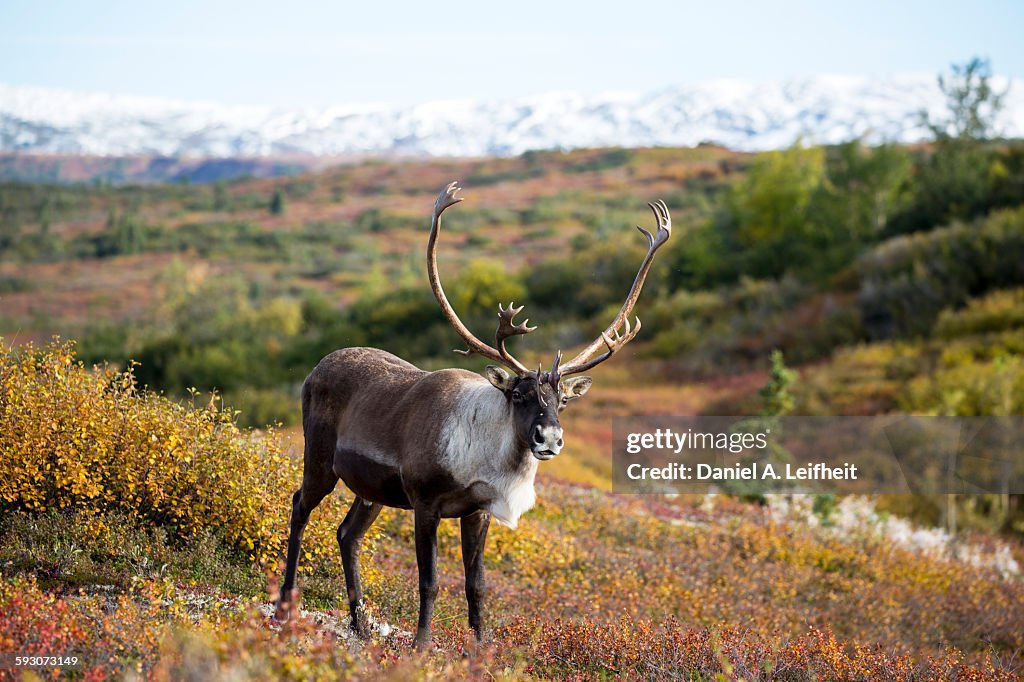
(565, 400)
(517, 397)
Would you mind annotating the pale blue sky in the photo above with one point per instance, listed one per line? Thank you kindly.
(312, 53)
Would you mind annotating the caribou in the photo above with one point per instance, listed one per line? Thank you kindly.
(445, 444)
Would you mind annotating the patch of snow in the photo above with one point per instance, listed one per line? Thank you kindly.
(738, 114)
(337, 625)
(855, 516)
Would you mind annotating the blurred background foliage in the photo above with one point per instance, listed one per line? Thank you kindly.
(906, 262)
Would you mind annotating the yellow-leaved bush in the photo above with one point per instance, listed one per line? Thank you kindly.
(90, 440)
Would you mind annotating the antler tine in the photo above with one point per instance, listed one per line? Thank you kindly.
(554, 376)
(610, 337)
(614, 344)
(445, 199)
(507, 328)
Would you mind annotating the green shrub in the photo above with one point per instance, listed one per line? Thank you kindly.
(908, 281)
(258, 407)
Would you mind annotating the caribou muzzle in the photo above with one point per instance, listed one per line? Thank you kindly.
(546, 441)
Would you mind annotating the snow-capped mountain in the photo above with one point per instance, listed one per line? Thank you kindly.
(740, 115)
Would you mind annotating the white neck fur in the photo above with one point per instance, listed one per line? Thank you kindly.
(478, 444)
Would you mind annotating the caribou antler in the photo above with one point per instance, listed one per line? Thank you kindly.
(610, 337)
(505, 326)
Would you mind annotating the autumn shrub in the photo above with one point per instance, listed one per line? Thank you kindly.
(969, 389)
(998, 311)
(965, 374)
(642, 650)
(90, 441)
(164, 633)
(107, 634)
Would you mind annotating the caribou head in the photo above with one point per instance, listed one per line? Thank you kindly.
(538, 396)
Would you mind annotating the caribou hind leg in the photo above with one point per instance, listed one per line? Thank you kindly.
(313, 489)
(318, 480)
(358, 520)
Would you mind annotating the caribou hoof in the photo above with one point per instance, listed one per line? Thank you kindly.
(286, 605)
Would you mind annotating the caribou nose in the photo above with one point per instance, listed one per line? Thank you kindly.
(547, 439)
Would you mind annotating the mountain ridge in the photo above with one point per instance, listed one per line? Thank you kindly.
(742, 115)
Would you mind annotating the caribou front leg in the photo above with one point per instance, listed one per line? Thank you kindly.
(426, 521)
(474, 537)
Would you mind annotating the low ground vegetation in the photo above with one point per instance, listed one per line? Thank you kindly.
(110, 547)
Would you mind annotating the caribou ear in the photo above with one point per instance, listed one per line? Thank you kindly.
(576, 387)
(499, 378)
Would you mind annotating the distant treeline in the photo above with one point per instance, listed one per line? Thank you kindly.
(56, 168)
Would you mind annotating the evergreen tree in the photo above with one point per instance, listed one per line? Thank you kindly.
(126, 234)
(776, 396)
(221, 200)
(277, 202)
